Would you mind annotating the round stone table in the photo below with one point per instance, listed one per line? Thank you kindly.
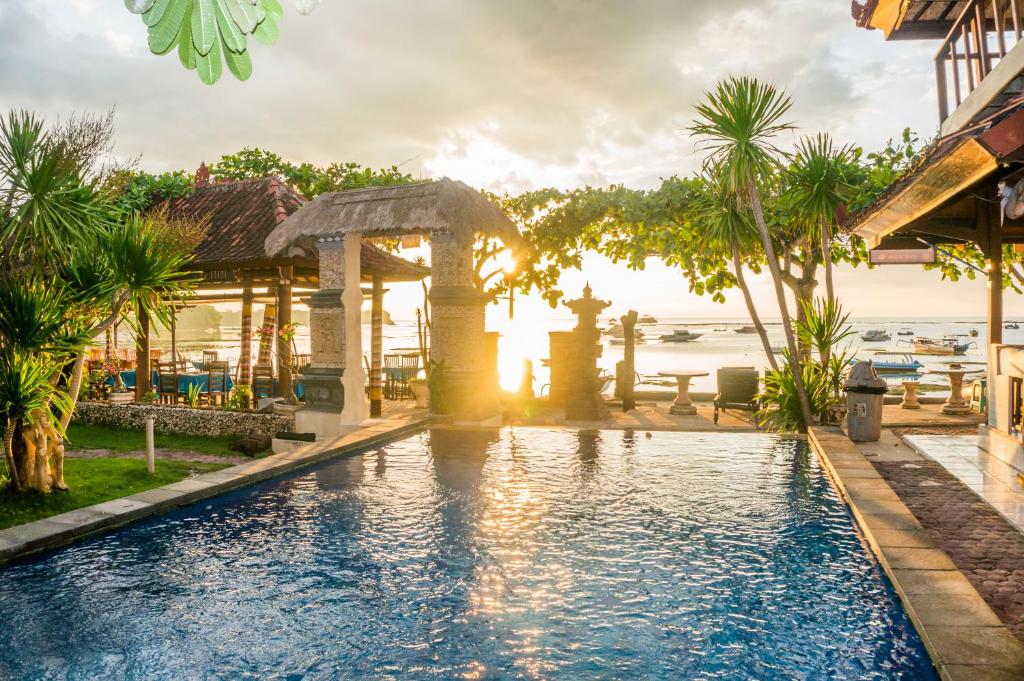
(683, 405)
(910, 400)
(956, 405)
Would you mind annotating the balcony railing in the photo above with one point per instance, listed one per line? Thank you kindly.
(981, 37)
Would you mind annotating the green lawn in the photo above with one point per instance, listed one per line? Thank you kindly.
(93, 481)
(104, 437)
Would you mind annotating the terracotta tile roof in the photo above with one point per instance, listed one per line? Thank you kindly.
(242, 214)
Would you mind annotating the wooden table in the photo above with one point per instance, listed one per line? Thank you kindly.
(956, 405)
(683, 405)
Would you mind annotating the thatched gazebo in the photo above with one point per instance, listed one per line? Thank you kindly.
(447, 212)
(235, 267)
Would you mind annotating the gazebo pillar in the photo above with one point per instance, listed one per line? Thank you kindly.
(376, 343)
(457, 345)
(284, 317)
(143, 375)
(334, 378)
(245, 352)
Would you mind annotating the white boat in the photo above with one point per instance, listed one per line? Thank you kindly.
(905, 332)
(947, 345)
(618, 332)
(680, 336)
(875, 336)
(746, 329)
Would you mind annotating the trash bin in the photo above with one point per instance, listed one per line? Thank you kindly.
(865, 395)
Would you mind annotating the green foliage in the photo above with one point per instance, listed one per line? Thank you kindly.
(308, 179)
(239, 399)
(440, 400)
(824, 326)
(208, 33)
(194, 395)
(137, 192)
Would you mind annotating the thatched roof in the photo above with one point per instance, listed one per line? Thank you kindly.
(243, 213)
(443, 206)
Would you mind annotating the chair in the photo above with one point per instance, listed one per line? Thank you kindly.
(737, 389)
(209, 356)
(979, 396)
(398, 371)
(167, 383)
(262, 381)
(302, 361)
(216, 382)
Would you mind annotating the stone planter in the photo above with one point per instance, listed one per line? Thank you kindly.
(121, 398)
(285, 409)
(421, 391)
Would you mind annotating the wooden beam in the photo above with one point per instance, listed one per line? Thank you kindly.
(284, 317)
(995, 275)
(376, 344)
(245, 355)
(143, 373)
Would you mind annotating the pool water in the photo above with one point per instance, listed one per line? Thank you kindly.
(519, 553)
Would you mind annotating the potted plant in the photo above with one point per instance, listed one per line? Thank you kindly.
(286, 338)
(119, 394)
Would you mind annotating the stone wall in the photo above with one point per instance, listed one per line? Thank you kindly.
(182, 420)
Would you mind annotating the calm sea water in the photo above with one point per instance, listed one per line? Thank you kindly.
(718, 346)
(519, 553)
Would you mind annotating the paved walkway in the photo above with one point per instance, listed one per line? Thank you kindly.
(985, 475)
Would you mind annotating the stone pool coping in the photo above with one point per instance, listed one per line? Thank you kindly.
(963, 636)
(58, 530)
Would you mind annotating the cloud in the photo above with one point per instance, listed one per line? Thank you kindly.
(503, 95)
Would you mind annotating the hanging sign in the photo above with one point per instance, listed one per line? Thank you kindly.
(901, 256)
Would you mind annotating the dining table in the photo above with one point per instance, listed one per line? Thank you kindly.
(185, 380)
(684, 404)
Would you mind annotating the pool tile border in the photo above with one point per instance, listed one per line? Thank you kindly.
(65, 528)
(961, 633)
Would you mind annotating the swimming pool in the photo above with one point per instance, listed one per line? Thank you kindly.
(481, 554)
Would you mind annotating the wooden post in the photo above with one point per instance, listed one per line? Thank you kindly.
(376, 343)
(284, 316)
(629, 370)
(143, 372)
(995, 275)
(174, 334)
(245, 356)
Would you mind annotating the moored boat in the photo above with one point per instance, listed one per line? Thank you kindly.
(680, 336)
(746, 329)
(905, 332)
(886, 362)
(947, 345)
(875, 336)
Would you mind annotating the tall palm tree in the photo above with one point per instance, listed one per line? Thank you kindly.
(816, 186)
(737, 122)
(714, 212)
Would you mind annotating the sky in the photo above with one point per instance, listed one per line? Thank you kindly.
(505, 96)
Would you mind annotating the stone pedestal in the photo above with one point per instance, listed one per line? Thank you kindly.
(558, 358)
(910, 400)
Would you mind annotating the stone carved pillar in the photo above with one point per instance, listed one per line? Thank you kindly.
(322, 379)
(457, 343)
(584, 401)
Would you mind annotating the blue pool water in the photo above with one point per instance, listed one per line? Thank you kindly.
(519, 553)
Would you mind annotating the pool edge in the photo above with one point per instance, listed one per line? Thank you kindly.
(62, 529)
(963, 636)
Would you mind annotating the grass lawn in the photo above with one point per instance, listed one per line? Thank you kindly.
(93, 481)
(118, 440)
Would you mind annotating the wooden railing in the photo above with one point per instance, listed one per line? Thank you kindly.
(980, 37)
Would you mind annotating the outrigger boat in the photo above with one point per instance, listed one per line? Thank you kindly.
(888, 362)
(680, 336)
(947, 345)
(876, 336)
(1012, 325)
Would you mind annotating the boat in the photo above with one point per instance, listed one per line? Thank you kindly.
(618, 332)
(680, 336)
(875, 336)
(905, 332)
(947, 345)
(1012, 325)
(646, 319)
(887, 362)
(746, 329)
(974, 333)
(722, 329)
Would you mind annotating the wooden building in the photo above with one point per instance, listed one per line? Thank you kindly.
(968, 187)
(235, 268)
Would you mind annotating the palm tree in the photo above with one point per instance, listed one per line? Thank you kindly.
(714, 212)
(816, 186)
(70, 265)
(738, 121)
